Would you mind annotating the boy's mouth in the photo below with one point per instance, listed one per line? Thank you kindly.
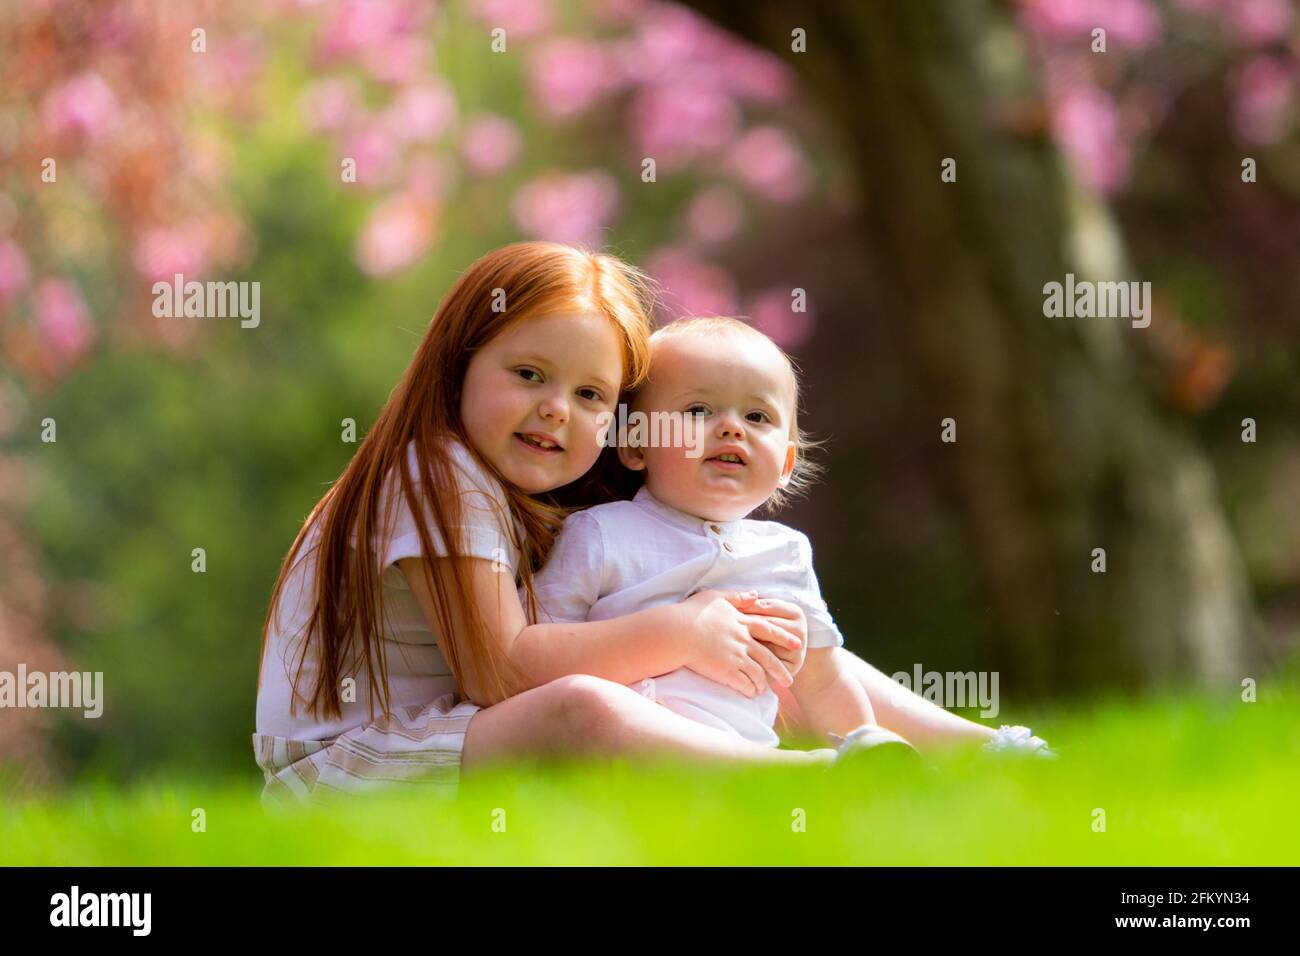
(543, 444)
(728, 459)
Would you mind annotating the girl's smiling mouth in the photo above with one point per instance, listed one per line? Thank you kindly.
(539, 444)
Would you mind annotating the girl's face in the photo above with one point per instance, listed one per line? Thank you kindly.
(535, 398)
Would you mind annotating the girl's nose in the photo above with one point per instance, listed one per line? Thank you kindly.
(554, 409)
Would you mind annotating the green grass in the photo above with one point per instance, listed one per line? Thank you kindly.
(1182, 780)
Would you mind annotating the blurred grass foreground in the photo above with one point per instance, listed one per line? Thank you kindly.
(1174, 780)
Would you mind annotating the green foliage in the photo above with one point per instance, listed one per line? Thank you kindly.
(225, 448)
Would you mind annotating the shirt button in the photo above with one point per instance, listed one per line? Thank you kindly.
(727, 545)
(716, 529)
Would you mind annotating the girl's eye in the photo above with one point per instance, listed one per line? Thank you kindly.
(525, 372)
(697, 409)
(590, 394)
(758, 417)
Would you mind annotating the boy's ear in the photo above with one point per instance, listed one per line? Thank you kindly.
(791, 453)
(632, 458)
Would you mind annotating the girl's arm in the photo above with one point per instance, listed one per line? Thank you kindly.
(708, 633)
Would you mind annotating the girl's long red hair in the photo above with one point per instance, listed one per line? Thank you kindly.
(345, 626)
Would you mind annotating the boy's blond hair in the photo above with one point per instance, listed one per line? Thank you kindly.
(806, 471)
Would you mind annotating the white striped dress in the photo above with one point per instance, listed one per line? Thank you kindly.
(419, 742)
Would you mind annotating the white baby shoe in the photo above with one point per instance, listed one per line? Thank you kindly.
(868, 737)
(1018, 740)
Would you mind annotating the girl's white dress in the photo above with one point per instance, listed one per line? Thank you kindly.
(420, 740)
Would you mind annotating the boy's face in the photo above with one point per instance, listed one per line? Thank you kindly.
(737, 394)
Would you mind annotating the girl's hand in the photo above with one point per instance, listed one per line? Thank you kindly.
(782, 620)
(732, 647)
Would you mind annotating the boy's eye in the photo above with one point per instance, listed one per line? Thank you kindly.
(525, 372)
(590, 394)
(697, 409)
(758, 417)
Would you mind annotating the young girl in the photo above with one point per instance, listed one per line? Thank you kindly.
(396, 648)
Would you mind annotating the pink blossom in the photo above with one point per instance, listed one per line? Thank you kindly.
(675, 45)
(331, 104)
(490, 144)
(715, 214)
(769, 162)
(753, 74)
(568, 76)
(519, 18)
(114, 27)
(421, 113)
(564, 207)
(1132, 23)
(82, 105)
(63, 319)
(397, 234)
(1264, 100)
(1086, 126)
(166, 250)
(375, 151)
(692, 286)
(14, 272)
(1067, 68)
(428, 178)
(397, 60)
(772, 312)
(673, 39)
(619, 13)
(677, 123)
(1058, 19)
(670, 35)
(358, 25)
(232, 63)
(1260, 21)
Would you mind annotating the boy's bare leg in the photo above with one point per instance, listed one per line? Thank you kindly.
(927, 725)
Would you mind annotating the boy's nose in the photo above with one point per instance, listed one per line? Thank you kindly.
(731, 428)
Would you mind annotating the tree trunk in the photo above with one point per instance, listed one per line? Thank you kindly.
(1060, 450)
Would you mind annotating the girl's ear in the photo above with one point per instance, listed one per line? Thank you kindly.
(633, 458)
(791, 453)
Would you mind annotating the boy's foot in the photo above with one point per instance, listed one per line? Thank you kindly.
(1020, 741)
(876, 741)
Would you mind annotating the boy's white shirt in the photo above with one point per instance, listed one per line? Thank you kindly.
(417, 671)
(619, 558)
